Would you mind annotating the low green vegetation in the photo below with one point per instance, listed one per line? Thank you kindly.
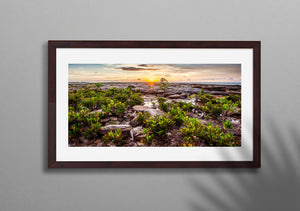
(195, 133)
(113, 137)
(227, 124)
(98, 85)
(162, 104)
(204, 98)
(210, 106)
(159, 126)
(148, 139)
(90, 107)
(177, 114)
(112, 100)
(84, 124)
(142, 117)
(185, 106)
(216, 107)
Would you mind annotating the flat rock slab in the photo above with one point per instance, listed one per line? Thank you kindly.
(215, 88)
(234, 88)
(174, 96)
(234, 92)
(235, 122)
(184, 95)
(196, 86)
(107, 128)
(141, 108)
(155, 112)
(137, 131)
(96, 111)
(218, 93)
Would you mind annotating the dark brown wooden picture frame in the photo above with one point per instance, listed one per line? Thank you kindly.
(54, 45)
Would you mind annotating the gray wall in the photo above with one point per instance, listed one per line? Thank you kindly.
(26, 183)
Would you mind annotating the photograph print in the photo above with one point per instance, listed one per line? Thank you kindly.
(154, 105)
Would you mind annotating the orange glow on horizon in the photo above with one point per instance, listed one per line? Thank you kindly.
(151, 81)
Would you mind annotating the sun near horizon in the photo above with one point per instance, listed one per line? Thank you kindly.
(151, 81)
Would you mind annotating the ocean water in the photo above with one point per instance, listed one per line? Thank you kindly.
(214, 83)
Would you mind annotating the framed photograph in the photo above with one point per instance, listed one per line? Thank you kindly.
(154, 104)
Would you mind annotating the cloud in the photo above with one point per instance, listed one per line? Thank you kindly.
(145, 65)
(190, 68)
(136, 69)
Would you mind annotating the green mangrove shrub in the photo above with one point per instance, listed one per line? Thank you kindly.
(227, 124)
(113, 137)
(194, 132)
(162, 104)
(148, 139)
(177, 115)
(98, 85)
(159, 126)
(185, 106)
(84, 123)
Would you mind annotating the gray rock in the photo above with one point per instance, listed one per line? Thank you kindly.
(235, 122)
(141, 108)
(107, 128)
(184, 95)
(96, 111)
(155, 112)
(83, 140)
(131, 86)
(215, 88)
(113, 118)
(192, 91)
(132, 114)
(105, 120)
(197, 86)
(135, 132)
(134, 122)
(139, 144)
(218, 93)
(159, 91)
(234, 88)
(234, 92)
(176, 96)
(111, 145)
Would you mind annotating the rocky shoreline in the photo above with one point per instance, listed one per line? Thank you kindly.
(132, 129)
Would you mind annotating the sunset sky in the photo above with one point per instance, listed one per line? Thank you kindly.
(154, 72)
